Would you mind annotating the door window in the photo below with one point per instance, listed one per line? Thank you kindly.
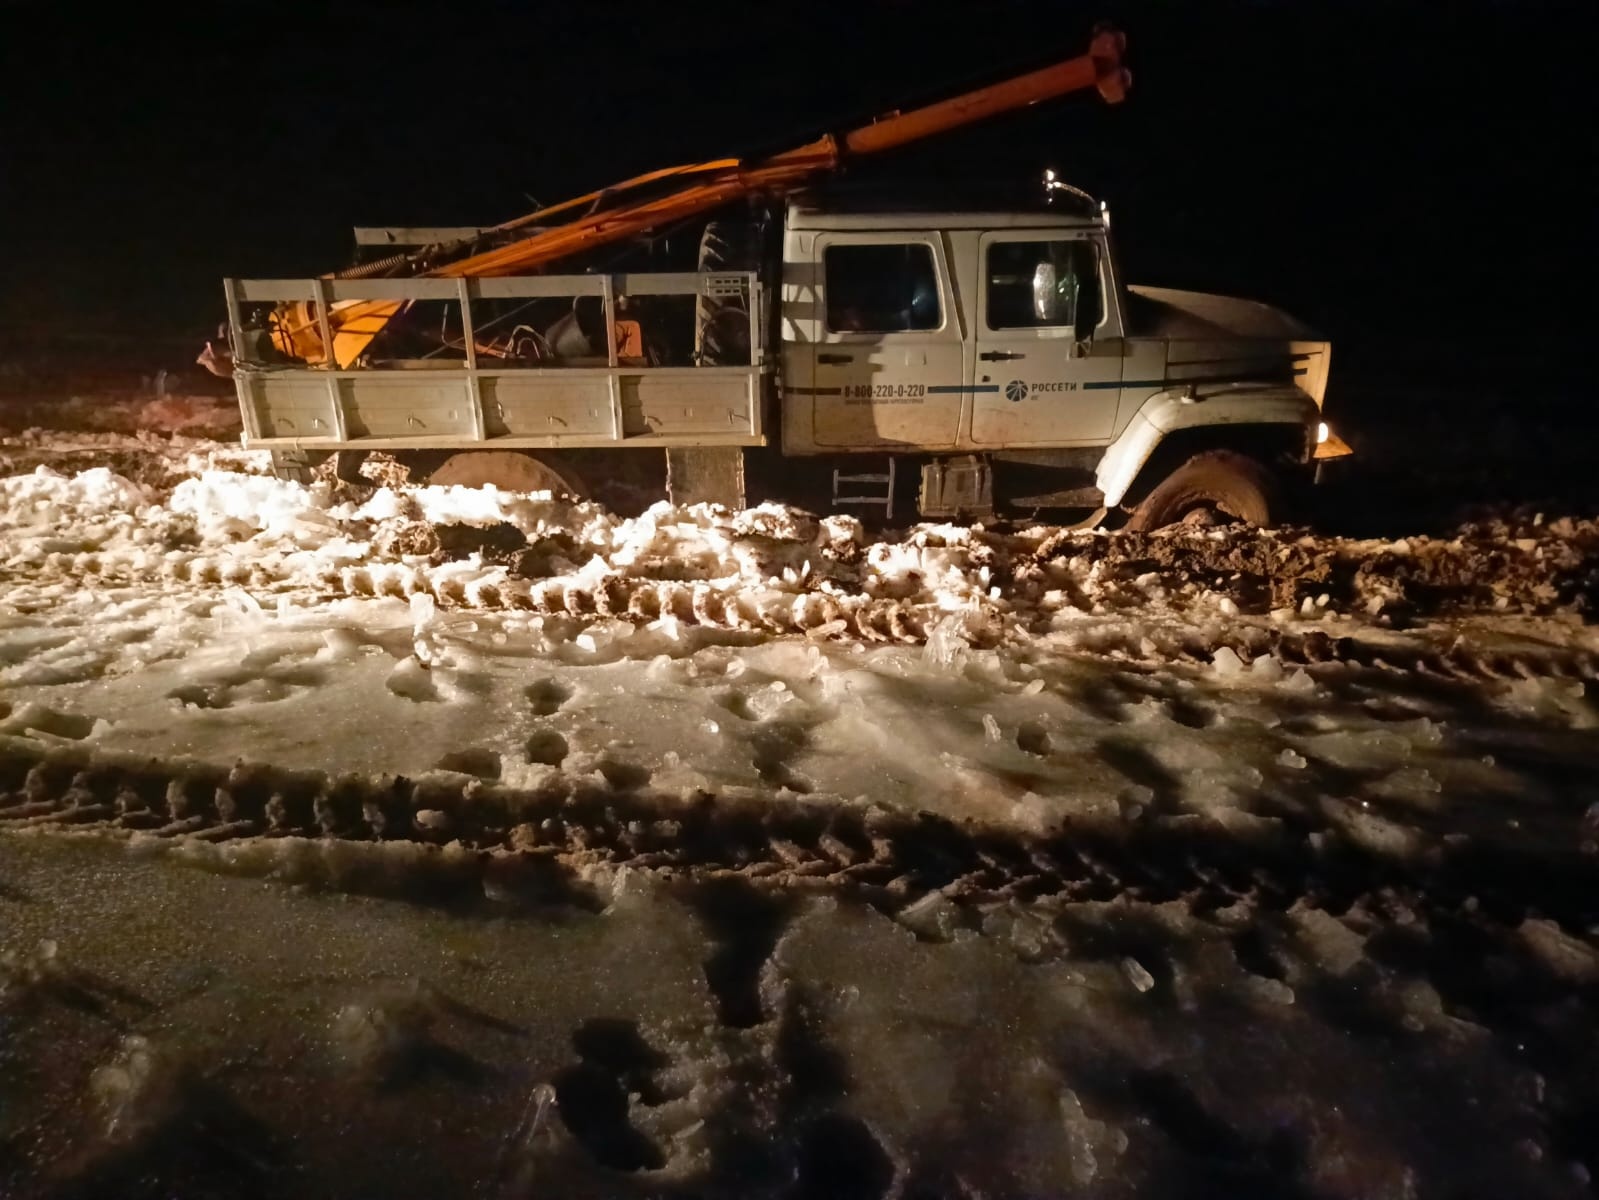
(881, 288)
(1036, 285)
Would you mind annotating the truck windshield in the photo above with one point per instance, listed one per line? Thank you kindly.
(881, 288)
(1043, 284)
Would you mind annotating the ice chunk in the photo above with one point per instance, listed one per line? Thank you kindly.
(1550, 697)
(1274, 991)
(1330, 944)
(772, 701)
(537, 1119)
(1373, 832)
(137, 1090)
(932, 918)
(1350, 749)
(1298, 683)
(411, 679)
(601, 635)
(339, 644)
(242, 602)
(1029, 935)
(1421, 1004)
(1266, 669)
(1292, 758)
(1088, 1140)
(1226, 663)
(1409, 785)
(20, 974)
(991, 728)
(1565, 956)
(1135, 801)
(382, 1035)
(947, 643)
(1137, 975)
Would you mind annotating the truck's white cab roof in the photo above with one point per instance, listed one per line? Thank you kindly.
(972, 205)
(824, 219)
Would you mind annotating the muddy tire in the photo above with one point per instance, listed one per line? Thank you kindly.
(507, 470)
(1229, 484)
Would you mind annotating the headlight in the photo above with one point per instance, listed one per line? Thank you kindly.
(1322, 432)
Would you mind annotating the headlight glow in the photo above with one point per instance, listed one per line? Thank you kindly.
(1322, 432)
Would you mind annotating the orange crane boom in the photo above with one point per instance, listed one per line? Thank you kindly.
(611, 215)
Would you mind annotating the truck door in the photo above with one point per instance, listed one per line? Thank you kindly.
(889, 367)
(1037, 379)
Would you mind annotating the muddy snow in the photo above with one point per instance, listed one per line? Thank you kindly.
(709, 853)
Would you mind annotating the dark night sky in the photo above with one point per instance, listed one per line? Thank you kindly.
(1408, 176)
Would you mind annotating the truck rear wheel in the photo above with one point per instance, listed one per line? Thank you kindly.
(1218, 482)
(507, 470)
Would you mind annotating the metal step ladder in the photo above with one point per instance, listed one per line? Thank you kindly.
(862, 484)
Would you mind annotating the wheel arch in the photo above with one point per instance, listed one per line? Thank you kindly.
(520, 470)
(1167, 431)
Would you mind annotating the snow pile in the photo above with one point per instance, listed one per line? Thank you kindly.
(155, 461)
(229, 507)
(49, 498)
(773, 568)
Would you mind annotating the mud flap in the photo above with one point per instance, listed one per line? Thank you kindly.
(347, 466)
(295, 466)
(706, 475)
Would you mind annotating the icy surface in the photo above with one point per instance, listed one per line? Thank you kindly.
(627, 1036)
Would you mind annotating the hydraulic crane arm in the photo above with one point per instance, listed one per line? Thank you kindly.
(618, 213)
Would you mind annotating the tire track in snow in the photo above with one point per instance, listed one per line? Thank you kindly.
(817, 612)
(714, 604)
(1312, 648)
(888, 858)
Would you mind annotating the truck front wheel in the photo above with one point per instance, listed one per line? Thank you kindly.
(1221, 483)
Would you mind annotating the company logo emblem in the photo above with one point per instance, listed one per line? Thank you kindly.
(1016, 390)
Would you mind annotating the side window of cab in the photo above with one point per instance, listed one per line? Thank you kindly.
(1043, 285)
(886, 287)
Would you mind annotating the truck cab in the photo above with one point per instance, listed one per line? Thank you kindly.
(1001, 353)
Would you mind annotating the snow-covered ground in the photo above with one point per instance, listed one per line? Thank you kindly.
(698, 853)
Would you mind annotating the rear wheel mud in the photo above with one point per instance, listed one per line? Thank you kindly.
(507, 470)
(1218, 485)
